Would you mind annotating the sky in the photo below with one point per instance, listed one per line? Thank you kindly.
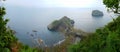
(55, 3)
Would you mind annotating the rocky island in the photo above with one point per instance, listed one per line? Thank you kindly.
(66, 26)
(97, 13)
(64, 23)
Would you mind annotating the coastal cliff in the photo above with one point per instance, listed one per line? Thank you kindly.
(64, 23)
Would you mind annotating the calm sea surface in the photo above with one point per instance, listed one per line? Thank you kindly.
(25, 20)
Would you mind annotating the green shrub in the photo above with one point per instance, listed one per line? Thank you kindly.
(6, 34)
(106, 39)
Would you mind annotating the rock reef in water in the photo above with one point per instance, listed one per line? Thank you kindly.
(97, 13)
(62, 24)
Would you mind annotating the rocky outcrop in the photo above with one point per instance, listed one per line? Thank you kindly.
(64, 23)
(97, 13)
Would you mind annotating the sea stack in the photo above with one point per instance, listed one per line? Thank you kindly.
(64, 23)
(97, 13)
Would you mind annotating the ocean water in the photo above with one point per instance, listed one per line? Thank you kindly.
(25, 20)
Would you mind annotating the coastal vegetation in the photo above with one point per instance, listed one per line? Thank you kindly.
(64, 23)
(6, 34)
(106, 39)
(112, 5)
(8, 40)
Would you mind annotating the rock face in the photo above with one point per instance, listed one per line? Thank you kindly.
(64, 23)
(97, 13)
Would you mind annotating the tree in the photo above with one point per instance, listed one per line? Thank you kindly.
(112, 5)
(106, 39)
(8, 42)
(6, 34)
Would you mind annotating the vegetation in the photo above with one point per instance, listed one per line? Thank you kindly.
(6, 34)
(54, 25)
(62, 24)
(8, 41)
(106, 39)
(113, 5)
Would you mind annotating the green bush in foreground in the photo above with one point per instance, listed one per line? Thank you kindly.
(8, 41)
(106, 39)
(6, 34)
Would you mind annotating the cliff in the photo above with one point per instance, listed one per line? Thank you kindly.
(64, 23)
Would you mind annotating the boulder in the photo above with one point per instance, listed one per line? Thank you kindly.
(97, 13)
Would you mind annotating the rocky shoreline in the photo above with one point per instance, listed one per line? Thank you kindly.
(66, 26)
(72, 36)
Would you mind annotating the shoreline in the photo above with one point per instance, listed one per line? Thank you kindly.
(59, 42)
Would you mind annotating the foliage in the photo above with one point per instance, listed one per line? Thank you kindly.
(62, 24)
(8, 41)
(5, 50)
(7, 38)
(112, 4)
(26, 48)
(106, 39)
(55, 24)
(6, 34)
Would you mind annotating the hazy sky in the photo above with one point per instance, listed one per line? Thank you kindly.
(55, 3)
